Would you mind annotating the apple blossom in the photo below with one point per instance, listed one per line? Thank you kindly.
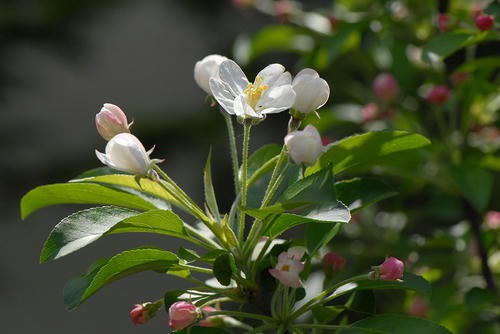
(332, 262)
(126, 153)
(205, 69)
(370, 112)
(296, 252)
(438, 94)
(311, 91)
(443, 22)
(492, 219)
(287, 270)
(110, 121)
(392, 269)
(386, 87)
(271, 92)
(304, 146)
(484, 22)
(182, 314)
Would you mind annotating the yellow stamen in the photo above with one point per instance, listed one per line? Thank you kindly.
(286, 267)
(254, 91)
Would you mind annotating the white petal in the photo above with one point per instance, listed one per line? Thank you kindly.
(242, 109)
(312, 94)
(126, 153)
(205, 69)
(222, 95)
(305, 74)
(233, 77)
(276, 100)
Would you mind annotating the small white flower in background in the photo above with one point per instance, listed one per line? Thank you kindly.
(205, 69)
(304, 146)
(296, 252)
(110, 121)
(271, 92)
(124, 152)
(311, 90)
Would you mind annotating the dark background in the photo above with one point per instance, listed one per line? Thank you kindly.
(59, 62)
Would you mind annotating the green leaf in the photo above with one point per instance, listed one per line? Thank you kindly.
(335, 212)
(78, 193)
(212, 255)
(362, 301)
(491, 162)
(358, 193)
(342, 41)
(365, 149)
(480, 63)
(474, 183)
(477, 298)
(209, 189)
(325, 314)
(80, 229)
(188, 255)
(201, 330)
(409, 282)
(84, 227)
(119, 266)
(143, 187)
(171, 297)
(315, 188)
(398, 324)
(224, 267)
(446, 44)
(100, 171)
(319, 235)
(261, 161)
(75, 288)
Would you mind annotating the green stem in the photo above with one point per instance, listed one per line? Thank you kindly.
(259, 257)
(262, 168)
(263, 328)
(204, 242)
(277, 167)
(336, 327)
(195, 268)
(246, 136)
(275, 186)
(311, 303)
(234, 151)
(244, 315)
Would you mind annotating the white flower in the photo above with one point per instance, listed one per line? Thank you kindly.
(305, 146)
(126, 153)
(110, 121)
(205, 69)
(271, 92)
(312, 91)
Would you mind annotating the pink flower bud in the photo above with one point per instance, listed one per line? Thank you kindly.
(492, 219)
(211, 321)
(386, 87)
(332, 262)
(110, 121)
(484, 22)
(443, 22)
(139, 314)
(182, 314)
(438, 95)
(304, 147)
(370, 112)
(419, 307)
(392, 269)
(287, 270)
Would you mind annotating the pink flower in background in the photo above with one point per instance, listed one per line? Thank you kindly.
(438, 94)
(392, 269)
(458, 78)
(332, 262)
(182, 314)
(386, 87)
(370, 112)
(419, 307)
(139, 314)
(287, 270)
(110, 121)
(484, 22)
(492, 219)
(443, 22)
(210, 321)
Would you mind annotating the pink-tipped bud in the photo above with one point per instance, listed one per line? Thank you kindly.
(332, 262)
(492, 219)
(182, 314)
(484, 22)
(139, 314)
(386, 87)
(370, 112)
(443, 22)
(110, 121)
(438, 95)
(392, 269)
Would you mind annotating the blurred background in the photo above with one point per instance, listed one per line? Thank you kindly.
(61, 60)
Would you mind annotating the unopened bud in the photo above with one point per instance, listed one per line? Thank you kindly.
(386, 87)
(392, 269)
(110, 121)
(183, 314)
(332, 262)
(304, 147)
(443, 22)
(484, 22)
(438, 95)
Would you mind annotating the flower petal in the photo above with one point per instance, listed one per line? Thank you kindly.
(270, 74)
(222, 95)
(243, 109)
(312, 94)
(233, 77)
(276, 99)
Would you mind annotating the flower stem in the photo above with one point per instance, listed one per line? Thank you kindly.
(319, 298)
(234, 151)
(244, 166)
(195, 268)
(335, 327)
(244, 315)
